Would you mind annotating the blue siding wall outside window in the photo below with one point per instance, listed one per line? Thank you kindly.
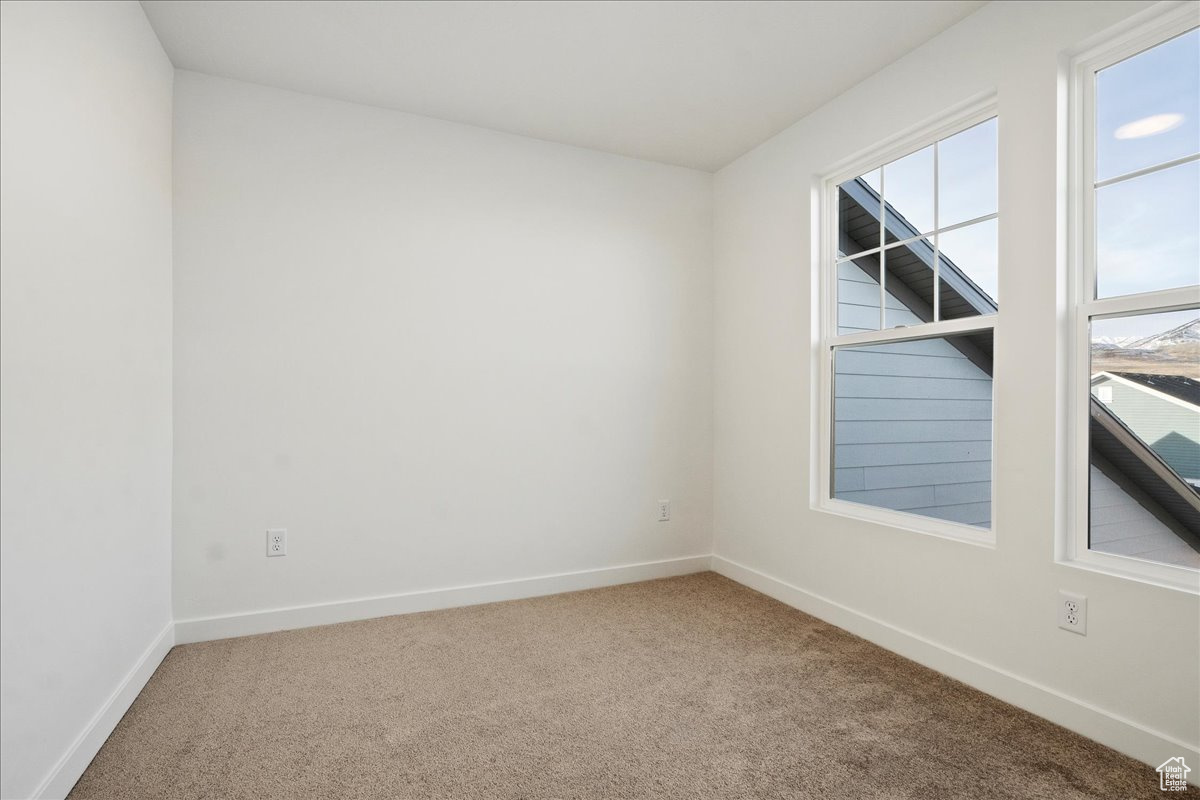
(912, 420)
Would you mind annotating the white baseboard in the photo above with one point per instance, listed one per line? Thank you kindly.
(1123, 735)
(204, 629)
(70, 767)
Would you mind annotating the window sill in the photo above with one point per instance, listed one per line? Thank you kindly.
(911, 523)
(1166, 576)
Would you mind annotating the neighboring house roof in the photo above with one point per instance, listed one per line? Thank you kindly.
(1132, 464)
(910, 267)
(1177, 386)
(1154, 409)
(860, 210)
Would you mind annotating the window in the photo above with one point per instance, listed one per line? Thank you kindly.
(911, 291)
(1135, 505)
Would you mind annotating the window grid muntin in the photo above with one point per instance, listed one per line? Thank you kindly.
(932, 236)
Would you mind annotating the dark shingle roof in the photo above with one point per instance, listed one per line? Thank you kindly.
(1178, 386)
(860, 209)
(1139, 464)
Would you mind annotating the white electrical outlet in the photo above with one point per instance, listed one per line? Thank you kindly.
(664, 510)
(1072, 612)
(276, 542)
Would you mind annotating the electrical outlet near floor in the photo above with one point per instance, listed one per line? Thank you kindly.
(664, 510)
(276, 542)
(1072, 612)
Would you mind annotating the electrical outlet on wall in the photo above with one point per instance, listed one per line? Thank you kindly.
(1072, 612)
(276, 542)
(664, 510)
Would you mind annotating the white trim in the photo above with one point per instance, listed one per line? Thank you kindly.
(67, 771)
(202, 629)
(1161, 301)
(1144, 30)
(1160, 24)
(1145, 389)
(1124, 735)
(961, 117)
(913, 523)
(966, 114)
(938, 231)
(926, 330)
(1152, 573)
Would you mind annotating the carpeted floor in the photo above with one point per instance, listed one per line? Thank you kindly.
(691, 687)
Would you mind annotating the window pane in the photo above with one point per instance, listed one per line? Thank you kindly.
(969, 270)
(967, 174)
(1144, 435)
(909, 283)
(908, 190)
(1148, 232)
(858, 294)
(1148, 108)
(874, 180)
(858, 214)
(912, 427)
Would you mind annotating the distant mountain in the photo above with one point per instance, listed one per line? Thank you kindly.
(1111, 342)
(1173, 352)
(1187, 333)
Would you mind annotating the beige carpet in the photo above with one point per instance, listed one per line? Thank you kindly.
(691, 687)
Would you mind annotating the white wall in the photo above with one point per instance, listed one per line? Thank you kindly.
(85, 341)
(994, 607)
(437, 355)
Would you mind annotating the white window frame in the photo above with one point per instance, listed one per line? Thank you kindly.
(955, 120)
(1072, 548)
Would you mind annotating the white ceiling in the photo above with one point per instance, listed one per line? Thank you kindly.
(690, 83)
